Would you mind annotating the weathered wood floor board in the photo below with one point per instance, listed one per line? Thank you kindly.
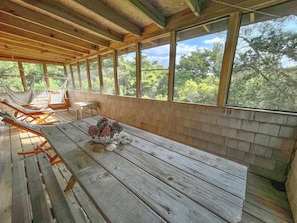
(263, 203)
(5, 174)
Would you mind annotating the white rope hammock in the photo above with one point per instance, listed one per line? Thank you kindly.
(57, 96)
(21, 98)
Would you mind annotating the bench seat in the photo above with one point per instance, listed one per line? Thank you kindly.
(40, 178)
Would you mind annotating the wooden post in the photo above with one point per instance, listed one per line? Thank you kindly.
(138, 70)
(88, 75)
(79, 78)
(22, 74)
(100, 75)
(72, 77)
(115, 70)
(229, 53)
(171, 73)
(45, 76)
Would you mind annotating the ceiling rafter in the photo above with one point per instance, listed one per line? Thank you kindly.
(42, 39)
(71, 17)
(215, 10)
(19, 53)
(105, 12)
(150, 11)
(31, 59)
(20, 23)
(197, 6)
(12, 39)
(37, 18)
(25, 47)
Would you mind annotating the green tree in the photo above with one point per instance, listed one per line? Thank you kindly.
(200, 92)
(127, 75)
(264, 71)
(108, 75)
(197, 75)
(36, 70)
(154, 79)
(10, 75)
(94, 75)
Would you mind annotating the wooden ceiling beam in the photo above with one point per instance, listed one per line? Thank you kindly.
(32, 55)
(48, 22)
(197, 6)
(19, 23)
(29, 60)
(13, 53)
(31, 43)
(25, 47)
(101, 9)
(215, 10)
(149, 10)
(40, 39)
(20, 50)
(69, 16)
(79, 46)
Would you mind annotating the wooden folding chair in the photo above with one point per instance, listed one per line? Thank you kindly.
(32, 128)
(31, 115)
(58, 98)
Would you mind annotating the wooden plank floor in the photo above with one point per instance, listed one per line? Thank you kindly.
(263, 202)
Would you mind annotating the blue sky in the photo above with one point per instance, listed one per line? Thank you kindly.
(185, 47)
(161, 53)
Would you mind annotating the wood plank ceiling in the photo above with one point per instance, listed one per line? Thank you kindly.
(64, 31)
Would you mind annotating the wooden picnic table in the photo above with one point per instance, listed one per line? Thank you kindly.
(150, 179)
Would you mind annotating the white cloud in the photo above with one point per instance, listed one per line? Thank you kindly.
(186, 49)
(161, 53)
(162, 60)
(160, 50)
(214, 40)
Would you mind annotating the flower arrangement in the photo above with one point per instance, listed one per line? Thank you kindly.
(104, 132)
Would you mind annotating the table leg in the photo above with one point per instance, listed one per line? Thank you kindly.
(76, 113)
(70, 184)
(81, 112)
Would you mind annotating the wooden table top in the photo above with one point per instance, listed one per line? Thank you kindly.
(86, 104)
(151, 179)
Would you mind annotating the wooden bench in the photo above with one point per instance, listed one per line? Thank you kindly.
(27, 167)
(40, 177)
(77, 194)
(263, 203)
(20, 202)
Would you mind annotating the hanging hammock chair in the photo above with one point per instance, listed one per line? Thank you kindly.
(58, 99)
(22, 98)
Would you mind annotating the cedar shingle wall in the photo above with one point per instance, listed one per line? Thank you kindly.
(264, 140)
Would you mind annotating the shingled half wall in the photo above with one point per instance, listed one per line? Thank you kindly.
(261, 139)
